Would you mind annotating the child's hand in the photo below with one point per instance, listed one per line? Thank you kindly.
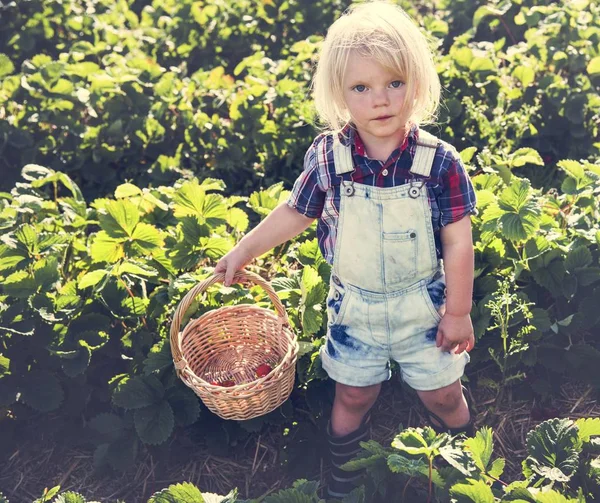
(233, 261)
(455, 332)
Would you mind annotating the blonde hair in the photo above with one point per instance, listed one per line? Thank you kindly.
(385, 32)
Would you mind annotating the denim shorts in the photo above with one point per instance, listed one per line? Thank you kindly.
(366, 330)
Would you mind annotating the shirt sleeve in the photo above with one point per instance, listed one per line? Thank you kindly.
(457, 198)
(308, 197)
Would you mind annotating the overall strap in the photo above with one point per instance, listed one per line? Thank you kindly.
(425, 154)
(342, 157)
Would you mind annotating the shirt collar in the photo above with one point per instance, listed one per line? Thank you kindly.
(348, 136)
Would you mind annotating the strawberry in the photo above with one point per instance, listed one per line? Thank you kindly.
(224, 384)
(263, 370)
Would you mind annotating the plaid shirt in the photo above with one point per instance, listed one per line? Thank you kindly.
(316, 192)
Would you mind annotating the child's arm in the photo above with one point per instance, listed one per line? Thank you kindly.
(456, 329)
(281, 225)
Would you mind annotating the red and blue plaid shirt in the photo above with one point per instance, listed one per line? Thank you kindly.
(316, 192)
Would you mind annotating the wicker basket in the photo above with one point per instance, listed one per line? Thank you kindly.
(226, 345)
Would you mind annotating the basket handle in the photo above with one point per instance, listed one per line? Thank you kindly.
(241, 276)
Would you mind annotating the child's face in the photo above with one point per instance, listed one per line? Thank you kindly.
(374, 96)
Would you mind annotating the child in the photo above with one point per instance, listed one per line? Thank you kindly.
(391, 201)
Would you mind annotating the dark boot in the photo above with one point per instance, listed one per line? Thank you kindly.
(343, 449)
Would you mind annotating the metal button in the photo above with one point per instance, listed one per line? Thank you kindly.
(413, 235)
(348, 190)
(336, 295)
(384, 172)
(413, 192)
(336, 280)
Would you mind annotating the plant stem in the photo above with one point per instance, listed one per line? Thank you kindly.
(405, 488)
(430, 480)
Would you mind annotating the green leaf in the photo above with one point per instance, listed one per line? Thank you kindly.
(6, 66)
(138, 392)
(147, 237)
(583, 359)
(106, 249)
(462, 57)
(41, 390)
(411, 467)
(192, 199)
(193, 230)
(265, 201)
(552, 496)
(215, 247)
(70, 497)
(178, 493)
(467, 154)
(154, 424)
(458, 459)
(237, 219)
(19, 284)
(483, 65)
(475, 491)
(136, 269)
(48, 494)
(185, 404)
(593, 67)
(91, 278)
(551, 276)
(412, 442)
(526, 156)
(313, 294)
(588, 427)
(46, 273)
(525, 75)
(521, 218)
(355, 496)
(126, 190)
(497, 468)
(77, 365)
(10, 258)
(28, 237)
(573, 169)
(289, 496)
(93, 339)
(497, 10)
(119, 218)
(578, 257)
(554, 448)
(481, 447)
(159, 357)
(109, 426)
(4, 365)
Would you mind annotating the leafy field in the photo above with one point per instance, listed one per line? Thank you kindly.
(140, 140)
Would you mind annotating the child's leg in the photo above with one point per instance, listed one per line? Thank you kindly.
(348, 427)
(449, 405)
(350, 406)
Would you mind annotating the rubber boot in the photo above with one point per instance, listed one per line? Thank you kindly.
(342, 449)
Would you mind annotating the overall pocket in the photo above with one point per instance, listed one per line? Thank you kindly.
(337, 301)
(435, 297)
(399, 257)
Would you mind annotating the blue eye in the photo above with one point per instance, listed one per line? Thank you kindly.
(359, 88)
(396, 84)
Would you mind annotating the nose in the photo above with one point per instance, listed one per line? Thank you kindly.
(380, 98)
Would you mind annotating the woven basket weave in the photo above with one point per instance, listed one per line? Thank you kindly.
(228, 344)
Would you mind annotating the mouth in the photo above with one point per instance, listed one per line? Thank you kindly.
(383, 117)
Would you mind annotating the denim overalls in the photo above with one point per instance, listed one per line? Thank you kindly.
(387, 285)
